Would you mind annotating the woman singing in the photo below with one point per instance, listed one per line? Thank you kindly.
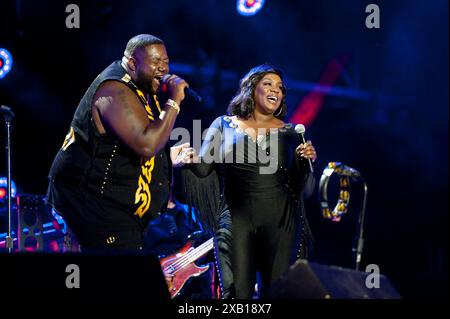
(263, 173)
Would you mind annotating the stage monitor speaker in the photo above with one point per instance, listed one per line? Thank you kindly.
(307, 280)
(68, 276)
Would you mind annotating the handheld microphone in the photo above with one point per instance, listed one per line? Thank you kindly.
(300, 129)
(197, 98)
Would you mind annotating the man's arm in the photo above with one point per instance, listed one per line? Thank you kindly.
(118, 110)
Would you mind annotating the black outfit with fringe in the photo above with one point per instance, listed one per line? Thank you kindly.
(253, 202)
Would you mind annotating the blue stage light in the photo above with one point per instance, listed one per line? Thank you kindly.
(6, 62)
(4, 188)
(249, 7)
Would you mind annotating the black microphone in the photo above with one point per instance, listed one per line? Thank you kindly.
(197, 98)
(300, 129)
(6, 111)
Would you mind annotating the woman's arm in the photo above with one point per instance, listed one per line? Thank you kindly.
(307, 183)
(210, 152)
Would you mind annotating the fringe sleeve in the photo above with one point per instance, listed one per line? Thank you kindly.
(304, 183)
(202, 194)
(200, 181)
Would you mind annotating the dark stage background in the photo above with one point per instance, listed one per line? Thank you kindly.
(381, 106)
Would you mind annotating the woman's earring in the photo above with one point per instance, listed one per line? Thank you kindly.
(278, 112)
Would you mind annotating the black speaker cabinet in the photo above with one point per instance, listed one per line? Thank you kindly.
(30, 218)
(307, 280)
(124, 276)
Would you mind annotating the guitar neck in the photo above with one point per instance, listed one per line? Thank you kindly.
(200, 250)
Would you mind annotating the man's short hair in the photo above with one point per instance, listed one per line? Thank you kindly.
(140, 41)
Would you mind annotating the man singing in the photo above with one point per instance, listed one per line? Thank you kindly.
(113, 172)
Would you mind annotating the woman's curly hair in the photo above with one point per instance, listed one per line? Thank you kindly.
(243, 103)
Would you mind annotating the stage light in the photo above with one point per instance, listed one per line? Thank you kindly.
(6, 62)
(4, 188)
(249, 7)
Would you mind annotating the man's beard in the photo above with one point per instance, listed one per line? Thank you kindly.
(144, 84)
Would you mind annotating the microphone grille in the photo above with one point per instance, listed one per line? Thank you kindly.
(165, 77)
(300, 128)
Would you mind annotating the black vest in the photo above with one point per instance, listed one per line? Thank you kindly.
(105, 167)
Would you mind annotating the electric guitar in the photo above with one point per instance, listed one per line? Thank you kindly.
(179, 267)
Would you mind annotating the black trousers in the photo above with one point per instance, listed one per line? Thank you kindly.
(94, 238)
(97, 224)
(264, 238)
